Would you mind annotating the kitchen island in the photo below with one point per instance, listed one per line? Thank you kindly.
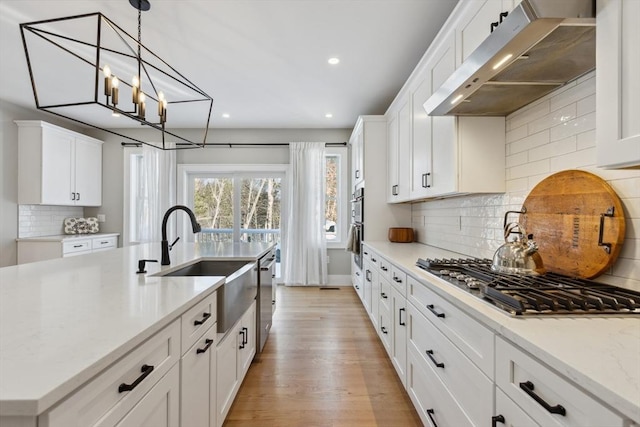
(64, 321)
(589, 359)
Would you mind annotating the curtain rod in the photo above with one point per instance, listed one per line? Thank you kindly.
(239, 144)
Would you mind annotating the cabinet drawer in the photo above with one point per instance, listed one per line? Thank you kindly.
(385, 329)
(472, 338)
(385, 268)
(73, 247)
(434, 403)
(385, 294)
(508, 414)
(102, 395)
(104, 243)
(524, 380)
(399, 279)
(197, 320)
(372, 257)
(471, 388)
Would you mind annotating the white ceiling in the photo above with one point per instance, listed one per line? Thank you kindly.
(264, 62)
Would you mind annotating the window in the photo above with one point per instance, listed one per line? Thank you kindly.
(336, 220)
(134, 201)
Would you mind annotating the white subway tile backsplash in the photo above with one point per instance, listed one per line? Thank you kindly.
(563, 137)
(38, 220)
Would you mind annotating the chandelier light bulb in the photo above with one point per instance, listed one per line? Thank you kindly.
(106, 71)
(114, 90)
(135, 85)
(107, 80)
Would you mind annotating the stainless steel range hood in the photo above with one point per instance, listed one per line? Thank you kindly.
(540, 46)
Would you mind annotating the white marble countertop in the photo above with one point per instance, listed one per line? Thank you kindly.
(599, 354)
(63, 237)
(63, 321)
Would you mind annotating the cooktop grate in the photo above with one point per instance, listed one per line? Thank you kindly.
(533, 295)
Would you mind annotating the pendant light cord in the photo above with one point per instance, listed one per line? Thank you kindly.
(139, 43)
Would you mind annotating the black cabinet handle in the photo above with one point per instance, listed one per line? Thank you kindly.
(394, 190)
(357, 287)
(400, 321)
(432, 309)
(146, 370)
(383, 295)
(397, 279)
(425, 180)
(503, 15)
(373, 259)
(245, 335)
(73, 196)
(366, 253)
(438, 364)
(242, 343)
(77, 246)
(208, 343)
(78, 196)
(431, 413)
(497, 419)
(383, 329)
(384, 268)
(528, 387)
(367, 275)
(205, 316)
(494, 25)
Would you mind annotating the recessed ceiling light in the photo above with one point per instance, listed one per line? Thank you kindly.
(225, 115)
(333, 61)
(328, 115)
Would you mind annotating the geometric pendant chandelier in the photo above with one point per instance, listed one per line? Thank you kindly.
(87, 69)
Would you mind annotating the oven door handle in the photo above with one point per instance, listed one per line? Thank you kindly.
(269, 266)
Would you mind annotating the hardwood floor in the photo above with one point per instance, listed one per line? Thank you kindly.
(323, 365)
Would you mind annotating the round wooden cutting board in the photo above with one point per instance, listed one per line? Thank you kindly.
(578, 222)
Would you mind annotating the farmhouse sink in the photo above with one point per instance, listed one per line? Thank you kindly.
(210, 268)
(235, 296)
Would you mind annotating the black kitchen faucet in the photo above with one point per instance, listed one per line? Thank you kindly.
(165, 244)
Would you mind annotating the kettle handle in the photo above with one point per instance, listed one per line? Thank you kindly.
(521, 211)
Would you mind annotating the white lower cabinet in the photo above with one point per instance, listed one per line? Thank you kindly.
(435, 405)
(159, 407)
(546, 397)
(399, 334)
(234, 355)
(472, 389)
(198, 365)
(509, 414)
(43, 248)
(123, 393)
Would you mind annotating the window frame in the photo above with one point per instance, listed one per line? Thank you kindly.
(343, 215)
(128, 213)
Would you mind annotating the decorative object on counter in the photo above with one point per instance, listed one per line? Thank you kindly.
(519, 256)
(400, 235)
(81, 225)
(578, 222)
(90, 60)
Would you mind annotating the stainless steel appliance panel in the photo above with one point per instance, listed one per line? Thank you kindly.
(265, 299)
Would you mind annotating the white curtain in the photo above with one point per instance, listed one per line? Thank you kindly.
(158, 188)
(305, 248)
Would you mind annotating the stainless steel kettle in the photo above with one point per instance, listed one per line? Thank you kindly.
(519, 256)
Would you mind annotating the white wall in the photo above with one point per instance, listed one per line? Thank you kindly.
(550, 135)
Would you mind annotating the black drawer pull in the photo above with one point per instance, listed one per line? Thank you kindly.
(400, 321)
(431, 413)
(78, 246)
(383, 295)
(528, 387)
(432, 309)
(205, 316)
(494, 25)
(383, 329)
(438, 364)
(497, 419)
(357, 287)
(146, 370)
(397, 279)
(242, 343)
(373, 259)
(245, 335)
(383, 268)
(208, 343)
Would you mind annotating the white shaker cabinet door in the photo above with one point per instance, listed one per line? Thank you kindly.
(88, 171)
(57, 178)
(617, 83)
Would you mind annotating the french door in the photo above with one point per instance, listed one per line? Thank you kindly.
(234, 205)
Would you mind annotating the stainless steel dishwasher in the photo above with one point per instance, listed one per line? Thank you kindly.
(265, 298)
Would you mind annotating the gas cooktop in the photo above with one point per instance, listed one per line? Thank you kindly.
(549, 293)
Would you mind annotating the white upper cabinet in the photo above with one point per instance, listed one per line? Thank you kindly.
(57, 166)
(437, 156)
(357, 156)
(617, 83)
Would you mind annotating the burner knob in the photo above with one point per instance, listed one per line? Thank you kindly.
(461, 276)
(472, 284)
(444, 272)
(453, 274)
